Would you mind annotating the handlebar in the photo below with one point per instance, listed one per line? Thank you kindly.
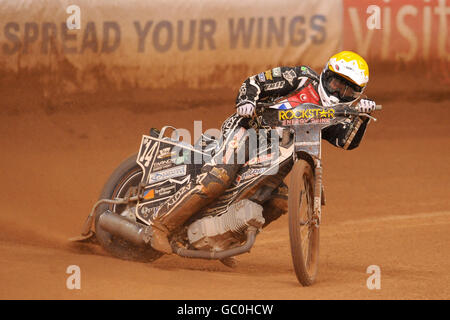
(338, 106)
(271, 116)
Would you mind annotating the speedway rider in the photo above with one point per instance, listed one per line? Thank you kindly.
(343, 80)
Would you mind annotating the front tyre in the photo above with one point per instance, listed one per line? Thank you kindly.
(303, 232)
(126, 176)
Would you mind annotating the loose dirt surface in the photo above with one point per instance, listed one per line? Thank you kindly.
(387, 201)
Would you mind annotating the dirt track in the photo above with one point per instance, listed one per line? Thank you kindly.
(387, 205)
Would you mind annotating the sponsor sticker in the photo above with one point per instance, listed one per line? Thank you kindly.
(304, 121)
(158, 193)
(167, 174)
(268, 74)
(165, 153)
(183, 190)
(164, 191)
(308, 71)
(261, 77)
(147, 211)
(276, 72)
(274, 86)
(164, 164)
(305, 114)
(289, 75)
(149, 194)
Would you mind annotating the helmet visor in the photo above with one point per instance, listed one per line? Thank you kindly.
(340, 87)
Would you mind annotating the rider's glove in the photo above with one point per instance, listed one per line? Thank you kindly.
(246, 110)
(365, 105)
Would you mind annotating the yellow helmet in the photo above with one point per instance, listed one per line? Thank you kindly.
(343, 79)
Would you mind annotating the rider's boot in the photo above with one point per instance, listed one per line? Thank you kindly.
(189, 200)
(277, 205)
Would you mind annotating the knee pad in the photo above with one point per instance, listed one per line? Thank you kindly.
(216, 179)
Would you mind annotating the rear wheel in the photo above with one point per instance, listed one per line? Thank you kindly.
(303, 232)
(125, 177)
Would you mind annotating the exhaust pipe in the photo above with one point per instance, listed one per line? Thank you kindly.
(218, 255)
(141, 236)
(124, 228)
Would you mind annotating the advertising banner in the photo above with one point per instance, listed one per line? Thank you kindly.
(157, 44)
(392, 30)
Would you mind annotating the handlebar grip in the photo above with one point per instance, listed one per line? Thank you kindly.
(378, 107)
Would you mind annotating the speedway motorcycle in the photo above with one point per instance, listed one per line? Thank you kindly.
(164, 168)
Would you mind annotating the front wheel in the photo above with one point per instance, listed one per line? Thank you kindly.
(125, 177)
(303, 232)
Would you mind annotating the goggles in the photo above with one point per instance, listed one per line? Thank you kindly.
(340, 87)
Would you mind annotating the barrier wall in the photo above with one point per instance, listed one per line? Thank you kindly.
(165, 43)
(207, 44)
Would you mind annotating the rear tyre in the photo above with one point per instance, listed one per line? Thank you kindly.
(303, 233)
(127, 175)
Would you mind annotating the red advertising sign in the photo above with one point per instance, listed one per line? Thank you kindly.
(399, 30)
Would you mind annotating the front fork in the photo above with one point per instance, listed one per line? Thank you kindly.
(308, 141)
(319, 197)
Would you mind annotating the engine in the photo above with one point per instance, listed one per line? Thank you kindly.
(226, 230)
